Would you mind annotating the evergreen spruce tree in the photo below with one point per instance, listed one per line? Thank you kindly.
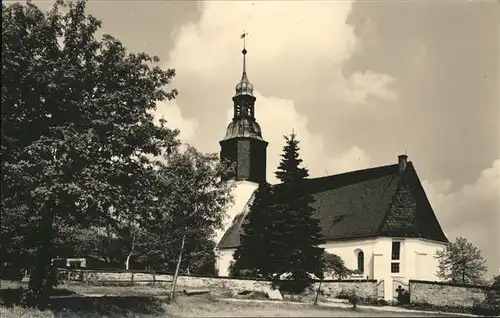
(296, 234)
(251, 256)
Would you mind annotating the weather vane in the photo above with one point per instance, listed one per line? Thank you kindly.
(243, 36)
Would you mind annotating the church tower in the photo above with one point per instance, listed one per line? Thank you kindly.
(243, 144)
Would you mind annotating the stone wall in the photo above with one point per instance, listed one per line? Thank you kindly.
(330, 288)
(444, 294)
(363, 288)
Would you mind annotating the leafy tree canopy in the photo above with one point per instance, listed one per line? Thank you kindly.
(79, 144)
(335, 266)
(461, 262)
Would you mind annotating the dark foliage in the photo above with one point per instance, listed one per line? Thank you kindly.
(251, 256)
(294, 251)
(335, 266)
(80, 152)
(491, 305)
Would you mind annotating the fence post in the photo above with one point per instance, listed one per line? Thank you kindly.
(154, 278)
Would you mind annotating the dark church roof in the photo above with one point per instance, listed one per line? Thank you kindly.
(376, 202)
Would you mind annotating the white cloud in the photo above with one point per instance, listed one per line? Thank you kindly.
(296, 50)
(281, 119)
(360, 86)
(171, 112)
(473, 211)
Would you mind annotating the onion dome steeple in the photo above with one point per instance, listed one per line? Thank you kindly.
(243, 143)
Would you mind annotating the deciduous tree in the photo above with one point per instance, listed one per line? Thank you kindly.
(77, 127)
(335, 266)
(461, 263)
(189, 207)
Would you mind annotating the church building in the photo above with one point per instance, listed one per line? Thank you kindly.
(378, 220)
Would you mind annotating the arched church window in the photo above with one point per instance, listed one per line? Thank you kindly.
(238, 110)
(361, 261)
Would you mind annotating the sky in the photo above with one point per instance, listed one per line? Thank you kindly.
(360, 82)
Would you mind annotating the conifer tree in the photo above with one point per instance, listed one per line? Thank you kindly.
(251, 256)
(296, 234)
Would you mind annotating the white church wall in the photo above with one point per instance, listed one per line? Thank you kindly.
(224, 259)
(416, 257)
(416, 260)
(348, 251)
(421, 264)
(242, 192)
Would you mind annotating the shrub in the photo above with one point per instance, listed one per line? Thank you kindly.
(374, 301)
(353, 298)
(485, 309)
(491, 305)
(343, 295)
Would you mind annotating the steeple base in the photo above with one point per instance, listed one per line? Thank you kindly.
(248, 156)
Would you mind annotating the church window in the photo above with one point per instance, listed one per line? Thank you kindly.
(396, 250)
(395, 257)
(394, 268)
(361, 261)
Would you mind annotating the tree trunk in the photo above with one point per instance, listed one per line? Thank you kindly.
(127, 262)
(41, 282)
(317, 293)
(174, 282)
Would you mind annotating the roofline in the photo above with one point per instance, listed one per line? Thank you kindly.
(374, 237)
(410, 168)
(428, 202)
(425, 239)
(354, 171)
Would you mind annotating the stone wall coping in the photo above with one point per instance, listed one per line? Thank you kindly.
(111, 271)
(448, 284)
(114, 270)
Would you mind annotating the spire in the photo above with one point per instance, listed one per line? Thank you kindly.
(244, 51)
(244, 87)
(244, 60)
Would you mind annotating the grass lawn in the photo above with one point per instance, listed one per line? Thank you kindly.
(146, 301)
